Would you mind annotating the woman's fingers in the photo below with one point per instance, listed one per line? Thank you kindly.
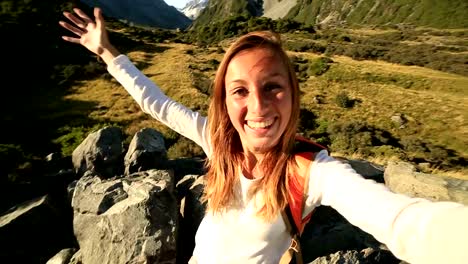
(78, 22)
(83, 16)
(99, 18)
(71, 28)
(70, 39)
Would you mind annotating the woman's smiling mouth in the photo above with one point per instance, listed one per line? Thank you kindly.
(260, 124)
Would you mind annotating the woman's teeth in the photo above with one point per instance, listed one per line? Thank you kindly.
(262, 124)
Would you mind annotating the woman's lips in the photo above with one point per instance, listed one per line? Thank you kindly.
(260, 124)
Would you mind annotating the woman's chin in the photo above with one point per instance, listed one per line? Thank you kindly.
(261, 147)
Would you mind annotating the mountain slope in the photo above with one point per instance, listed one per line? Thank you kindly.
(217, 10)
(193, 8)
(275, 9)
(429, 13)
(155, 13)
(432, 13)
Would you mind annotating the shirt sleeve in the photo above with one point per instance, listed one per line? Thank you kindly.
(416, 230)
(153, 101)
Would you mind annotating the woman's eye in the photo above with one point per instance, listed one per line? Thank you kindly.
(272, 86)
(241, 92)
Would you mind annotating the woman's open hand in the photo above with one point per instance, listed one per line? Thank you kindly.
(90, 33)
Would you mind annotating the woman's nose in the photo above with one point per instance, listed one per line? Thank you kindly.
(257, 102)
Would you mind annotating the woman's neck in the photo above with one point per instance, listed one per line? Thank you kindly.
(250, 167)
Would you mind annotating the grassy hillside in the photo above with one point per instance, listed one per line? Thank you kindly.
(429, 13)
(432, 105)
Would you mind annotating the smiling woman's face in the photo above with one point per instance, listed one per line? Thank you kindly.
(258, 98)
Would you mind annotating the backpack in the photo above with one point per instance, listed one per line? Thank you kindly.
(304, 154)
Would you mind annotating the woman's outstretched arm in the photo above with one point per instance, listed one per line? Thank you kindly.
(92, 34)
(414, 229)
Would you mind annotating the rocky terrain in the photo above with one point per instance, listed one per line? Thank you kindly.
(117, 204)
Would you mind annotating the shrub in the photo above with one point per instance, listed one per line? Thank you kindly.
(287, 25)
(319, 66)
(72, 137)
(388, 151)
(302, 46)
(413, 144)
(298, 46)
(67, 73)
(342, 100)
(307, 120)
(184, 148)
(353, 137)
(322, 127)
(300, 67)
(345, 38)
(214, 63)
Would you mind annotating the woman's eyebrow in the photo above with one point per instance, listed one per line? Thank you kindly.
(237, 80)
(233, 84)
(274, 75)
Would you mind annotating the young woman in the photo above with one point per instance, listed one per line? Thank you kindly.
(249, 136)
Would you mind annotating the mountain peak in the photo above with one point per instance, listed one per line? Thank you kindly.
(193, 8)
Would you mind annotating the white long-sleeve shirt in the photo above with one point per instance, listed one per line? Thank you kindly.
(414, 229)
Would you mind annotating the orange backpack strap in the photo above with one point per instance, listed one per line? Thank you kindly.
(298, 188)
(298, 182)
(305, 151)
(292, 214)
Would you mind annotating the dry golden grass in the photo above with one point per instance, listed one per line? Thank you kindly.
(461, 174)
(370, 32)
(437, 106)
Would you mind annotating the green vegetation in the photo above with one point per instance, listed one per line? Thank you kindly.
(429, 48)
(319, 66)
(342, 100)
(71, 137)
(233, 26)
(429, 13)
(218, 11)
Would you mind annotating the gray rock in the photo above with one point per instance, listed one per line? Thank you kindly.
(402, 177)
(33, 231)
(146, 151)
(126, 219)
(101, 153)
(62, 257)
(365, 256)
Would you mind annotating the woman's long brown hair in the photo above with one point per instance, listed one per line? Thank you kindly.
(227, 154)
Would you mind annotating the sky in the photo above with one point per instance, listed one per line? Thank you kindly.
(177, 3)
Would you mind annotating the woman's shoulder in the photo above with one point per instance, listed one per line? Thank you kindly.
(303, 144)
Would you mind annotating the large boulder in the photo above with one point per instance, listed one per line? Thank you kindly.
(100, 153)
(146, 151)
(33, 231)
(126, 220)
